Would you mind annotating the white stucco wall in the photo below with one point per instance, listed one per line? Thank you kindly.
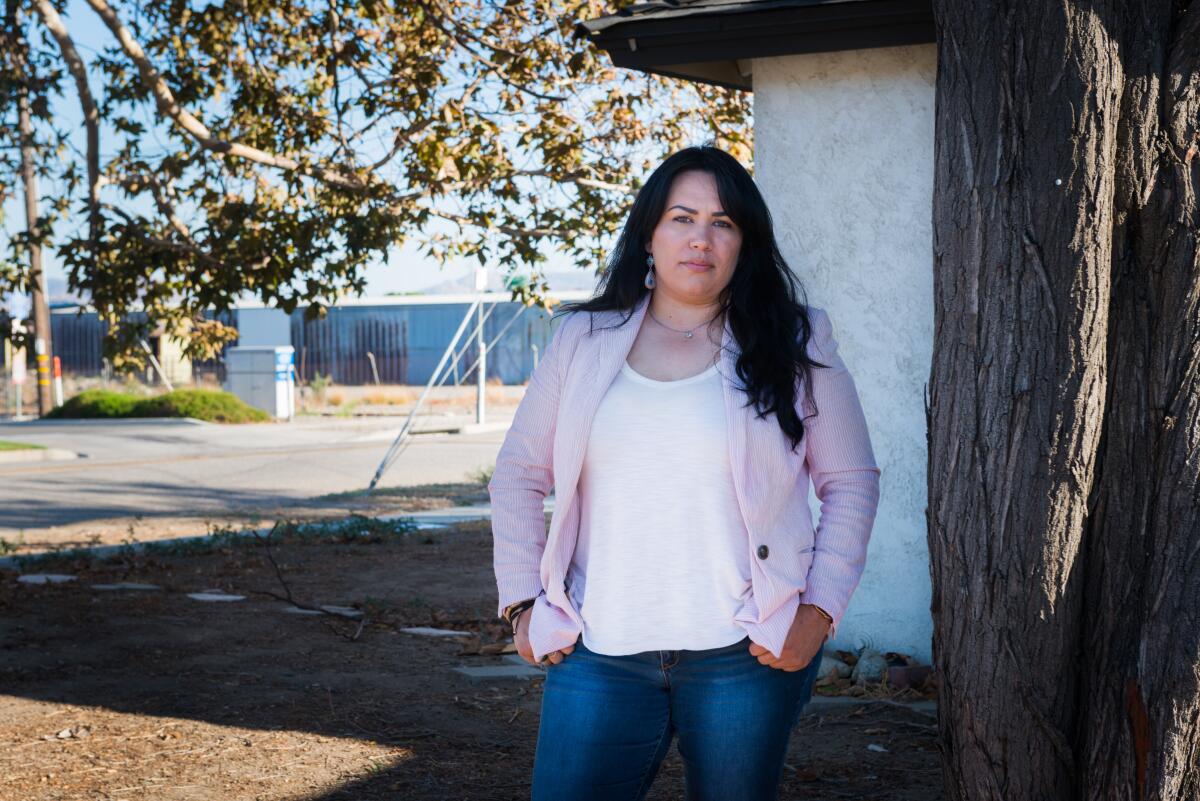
(844, 155)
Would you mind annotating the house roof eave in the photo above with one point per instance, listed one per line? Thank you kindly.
(666, 37)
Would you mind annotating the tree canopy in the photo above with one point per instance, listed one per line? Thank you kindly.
(273, 149)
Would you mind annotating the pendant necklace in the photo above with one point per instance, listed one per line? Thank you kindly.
(687, 333)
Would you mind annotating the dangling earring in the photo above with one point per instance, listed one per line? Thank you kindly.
(650, 282)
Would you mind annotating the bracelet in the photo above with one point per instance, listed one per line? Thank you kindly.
(517, 616)
(512, 611)
(828, 617)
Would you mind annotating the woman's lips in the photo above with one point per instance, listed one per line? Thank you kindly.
(697, 266)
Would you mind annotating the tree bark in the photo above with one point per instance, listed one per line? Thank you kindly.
(91, 118)
(1141, 704)
(1064, 409)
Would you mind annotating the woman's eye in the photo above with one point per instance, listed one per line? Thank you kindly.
(683, 218)
(723, 224)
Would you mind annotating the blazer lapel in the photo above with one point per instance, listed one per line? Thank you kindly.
(736, 413)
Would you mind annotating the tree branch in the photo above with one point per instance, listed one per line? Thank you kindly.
(577, 178)
(91, 117)
(187, 122)
(506, 229)
(189, 246)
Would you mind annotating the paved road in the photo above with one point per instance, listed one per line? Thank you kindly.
(180, 468)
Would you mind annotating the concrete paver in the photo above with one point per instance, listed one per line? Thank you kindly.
(480, 675)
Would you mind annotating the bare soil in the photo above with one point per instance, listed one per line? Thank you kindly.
(127, 530)
(150, 694)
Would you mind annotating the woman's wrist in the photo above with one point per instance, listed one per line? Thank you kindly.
(828, 617)
(517, 617)
(513, 611)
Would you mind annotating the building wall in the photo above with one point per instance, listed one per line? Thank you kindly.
(844, 155)
(408, 341)
(263, 326)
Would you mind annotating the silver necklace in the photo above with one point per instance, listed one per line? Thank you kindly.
(687, 333)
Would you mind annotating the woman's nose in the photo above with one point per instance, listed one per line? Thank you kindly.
(701, 243)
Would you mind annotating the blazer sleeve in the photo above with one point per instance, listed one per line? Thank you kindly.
(844, 475)
(523, 477)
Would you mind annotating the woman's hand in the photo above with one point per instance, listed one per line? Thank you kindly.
(805, 637)
(521, 638)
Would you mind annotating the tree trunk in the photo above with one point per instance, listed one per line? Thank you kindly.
(1141, 705)
(1064, 414)
(42, 340)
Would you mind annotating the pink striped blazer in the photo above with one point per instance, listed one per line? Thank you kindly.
(544, 451)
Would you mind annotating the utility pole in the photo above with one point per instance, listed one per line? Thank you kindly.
(42, 345)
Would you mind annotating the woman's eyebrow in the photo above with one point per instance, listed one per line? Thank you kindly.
(694, 211)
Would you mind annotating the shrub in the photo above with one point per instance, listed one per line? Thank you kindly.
(202, 404)
(97, 403)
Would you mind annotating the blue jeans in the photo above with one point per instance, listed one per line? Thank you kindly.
(607, 722)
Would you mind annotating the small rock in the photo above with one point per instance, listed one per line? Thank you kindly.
(44, 578)
(65, 734)
(871, 667)
(879, 749)
(908, 676)
(832, 666)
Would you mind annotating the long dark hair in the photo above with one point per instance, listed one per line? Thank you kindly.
(764, 301)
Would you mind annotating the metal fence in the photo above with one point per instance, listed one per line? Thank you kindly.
(406, 341)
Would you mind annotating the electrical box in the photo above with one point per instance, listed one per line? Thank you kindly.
(264, 377)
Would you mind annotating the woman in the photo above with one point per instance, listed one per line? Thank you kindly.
(678, 416)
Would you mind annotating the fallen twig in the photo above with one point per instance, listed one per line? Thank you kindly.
(287, 596)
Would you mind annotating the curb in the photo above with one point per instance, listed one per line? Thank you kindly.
(36, 455)
(102, 551)
(111, 421)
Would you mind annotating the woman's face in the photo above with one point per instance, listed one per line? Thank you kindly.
(695, 245)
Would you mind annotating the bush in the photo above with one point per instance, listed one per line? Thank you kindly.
(201, 404)
(97, 403)
(212, 405)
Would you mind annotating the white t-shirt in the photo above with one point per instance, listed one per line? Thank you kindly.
(662, 561)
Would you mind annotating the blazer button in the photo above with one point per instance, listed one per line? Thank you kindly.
(763, 552)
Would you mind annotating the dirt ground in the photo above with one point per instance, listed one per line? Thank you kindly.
(125, 530)
(139, 694)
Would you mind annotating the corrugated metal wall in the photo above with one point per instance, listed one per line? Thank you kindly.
(406, 340)
(78, 340)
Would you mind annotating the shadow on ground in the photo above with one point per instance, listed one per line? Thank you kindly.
(242, 700)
